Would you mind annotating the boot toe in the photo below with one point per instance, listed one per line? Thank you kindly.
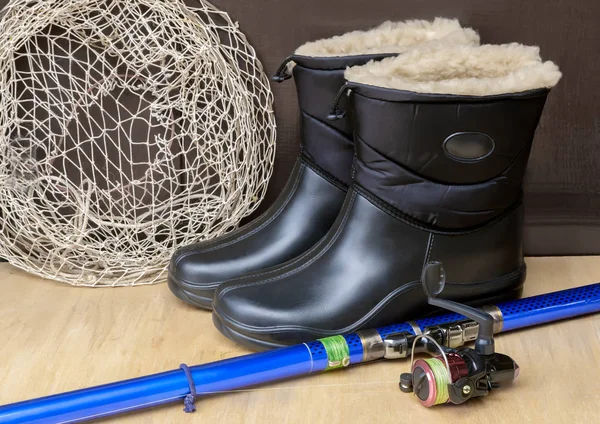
(244, 311)
(243, 304)
(194, 275)
(196, 268)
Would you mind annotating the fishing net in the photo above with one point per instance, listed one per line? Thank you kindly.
(127, 128)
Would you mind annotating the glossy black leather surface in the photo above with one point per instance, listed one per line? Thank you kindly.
(365, 273)
(482, 255)
(298, 219)
(305, 209)
(410, 203)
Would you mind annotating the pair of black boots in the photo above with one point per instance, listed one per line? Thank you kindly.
(422, 161)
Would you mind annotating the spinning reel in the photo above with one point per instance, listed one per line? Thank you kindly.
(456, 375)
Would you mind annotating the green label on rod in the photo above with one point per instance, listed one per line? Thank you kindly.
(338, 352)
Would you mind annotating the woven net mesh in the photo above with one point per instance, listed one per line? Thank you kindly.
(127, 128)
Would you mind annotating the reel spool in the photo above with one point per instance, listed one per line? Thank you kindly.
(456, 375)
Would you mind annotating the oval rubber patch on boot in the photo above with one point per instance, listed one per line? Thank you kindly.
(468, 146)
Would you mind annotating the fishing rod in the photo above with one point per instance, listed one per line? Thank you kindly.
(453, 375)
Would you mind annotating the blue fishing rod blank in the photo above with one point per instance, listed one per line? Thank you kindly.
(259, 368)
(550, 307)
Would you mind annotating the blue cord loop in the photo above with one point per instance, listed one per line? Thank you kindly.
(189, 400)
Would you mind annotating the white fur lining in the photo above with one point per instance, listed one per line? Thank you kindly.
(390, 37)
(464, 70)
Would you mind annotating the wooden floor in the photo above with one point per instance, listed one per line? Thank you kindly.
(55, 338)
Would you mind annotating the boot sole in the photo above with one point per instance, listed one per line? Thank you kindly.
(256, 344)
(242, 339)
(187, 296)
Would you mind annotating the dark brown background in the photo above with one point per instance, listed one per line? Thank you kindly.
(563, 179)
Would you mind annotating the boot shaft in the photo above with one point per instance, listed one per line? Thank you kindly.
(443, 133)
(451, 162)
(319, 73)
(326, 143)
(437, 177)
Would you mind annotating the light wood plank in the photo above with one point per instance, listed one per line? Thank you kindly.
(57, 338)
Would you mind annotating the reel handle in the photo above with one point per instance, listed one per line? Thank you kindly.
(433, 279)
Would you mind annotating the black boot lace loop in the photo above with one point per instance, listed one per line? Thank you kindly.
(282, 72)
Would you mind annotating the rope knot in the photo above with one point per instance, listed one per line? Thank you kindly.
(190, 398)
(188, 402)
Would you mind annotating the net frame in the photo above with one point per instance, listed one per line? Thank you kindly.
(128, 128)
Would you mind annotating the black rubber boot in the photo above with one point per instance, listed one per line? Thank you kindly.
(316, 189)
(305, 209)
(437, 177)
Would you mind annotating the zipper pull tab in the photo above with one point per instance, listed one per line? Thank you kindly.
(282, 74)
(336, 113)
